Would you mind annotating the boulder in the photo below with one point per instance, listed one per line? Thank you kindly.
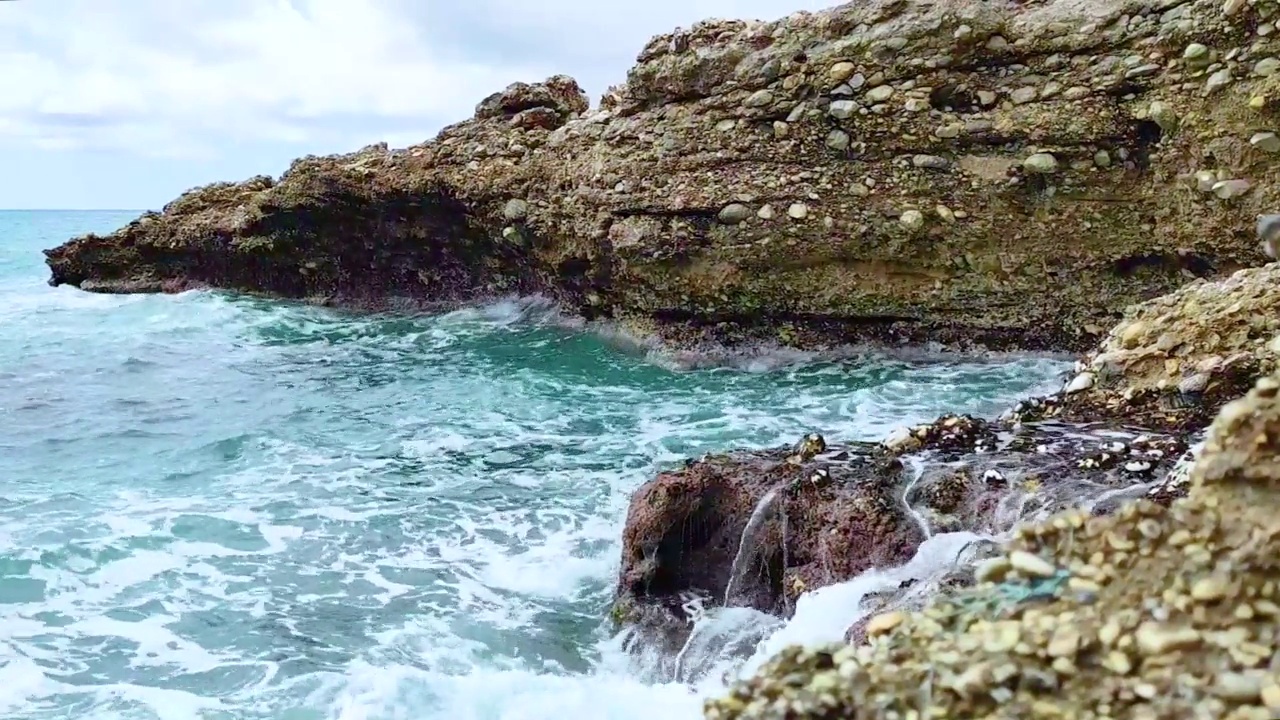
(1081, 155)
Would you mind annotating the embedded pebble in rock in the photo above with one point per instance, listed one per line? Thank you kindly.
(1023, 95)
(734, 213)
(880, 93)
(931, 162)
(843, 109)
(1163, 115)
(1218, 80)
(841, 71)
(912, 219)
(1228, 189)
(1042, 163)
(1266, 67)
(1266, 141)
(515, 209)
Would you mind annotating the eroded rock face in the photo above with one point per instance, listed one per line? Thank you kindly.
(970, 172)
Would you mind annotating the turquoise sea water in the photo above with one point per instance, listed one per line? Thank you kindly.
(221, 507)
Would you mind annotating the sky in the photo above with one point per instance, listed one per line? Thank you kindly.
(124, 104)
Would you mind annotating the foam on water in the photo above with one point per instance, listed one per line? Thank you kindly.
(218, 507)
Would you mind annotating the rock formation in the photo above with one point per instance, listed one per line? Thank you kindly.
(996, 173)
(1152, 612)
(1156, 379)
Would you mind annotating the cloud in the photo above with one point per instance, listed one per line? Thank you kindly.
(215, 82)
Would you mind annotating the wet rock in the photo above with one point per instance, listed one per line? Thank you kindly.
(1099, 639)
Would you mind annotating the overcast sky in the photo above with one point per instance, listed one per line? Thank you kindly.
(126, 103)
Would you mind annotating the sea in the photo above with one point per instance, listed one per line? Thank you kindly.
(224, 507)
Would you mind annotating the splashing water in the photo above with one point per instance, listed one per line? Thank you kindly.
(747, 544)
(218, 507)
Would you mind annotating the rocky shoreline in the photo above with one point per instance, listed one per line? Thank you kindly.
(1063, 175)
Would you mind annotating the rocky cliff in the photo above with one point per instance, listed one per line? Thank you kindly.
(997, 173)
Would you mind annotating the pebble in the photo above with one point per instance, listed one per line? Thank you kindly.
(515, 209)
(930, 162)
(1266, 142)
(1218, 80)
(841, 71)
(798, 211)
(1163, 115)
(1266, 67)
(842, 109)
(880, 93)
(1043, 163)
(947, 132)
(734, 213)
(1031, 565)
(1080, 383)
(986, 98)
(1154, 638)
(1195, 53)
(1102, 159)
(912, 219)
(766, 212)
(1023, 95)
(838, 140)
(884, 622)
(1227, 189)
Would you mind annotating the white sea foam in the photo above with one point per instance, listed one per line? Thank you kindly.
(225, 508)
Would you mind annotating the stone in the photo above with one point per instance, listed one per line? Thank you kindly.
(766, 212)
(912, 219)
(1023, 95)
(1041, 163)
(515, 210)
(879, 93)
(1228, 189)
(1163, 115)
(1080, 383)
(1266, 67)
(986, 98)
(1102, 159)
(1218, 80)
(1031, 565)
(1195, 53)
(1266, 142)
(843, 109)
(759, 98)
(841, 71)
(734, 213)
(798, 211)
(838, 140)
(931, 162)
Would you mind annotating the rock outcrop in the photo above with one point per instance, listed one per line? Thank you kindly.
(823, 514)
(1152, 612)
(1003, 174)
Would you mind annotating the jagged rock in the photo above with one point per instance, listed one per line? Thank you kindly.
(1094, 639)
(622, 201)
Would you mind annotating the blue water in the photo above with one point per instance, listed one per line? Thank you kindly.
(221, 507)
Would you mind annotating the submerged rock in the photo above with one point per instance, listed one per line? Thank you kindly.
(635, 210)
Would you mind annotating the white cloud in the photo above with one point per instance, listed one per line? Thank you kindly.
(197, 78)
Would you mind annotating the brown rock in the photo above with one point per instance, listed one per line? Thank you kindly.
(622, 200)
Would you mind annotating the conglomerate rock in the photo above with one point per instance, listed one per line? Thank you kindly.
(996, 173)
(1151, 613)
